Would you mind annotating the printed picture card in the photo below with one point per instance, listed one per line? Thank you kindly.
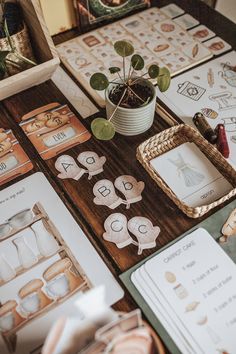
(172, 10)
(46, 264)
(53, 130)
(152, 16)
(201, 33)
(187, 21)
(13, 160)
(217, 45)
(190, 175)
(187, 293)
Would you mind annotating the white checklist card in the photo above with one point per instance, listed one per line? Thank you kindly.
(193, 295)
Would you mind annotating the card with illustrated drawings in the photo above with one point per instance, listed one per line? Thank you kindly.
(190, 175)
(46, 264)
(191, 296)
(13, 160)
(153, 34)
(53, 129)
(211, 90)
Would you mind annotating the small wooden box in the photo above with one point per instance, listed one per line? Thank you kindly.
(44, 50)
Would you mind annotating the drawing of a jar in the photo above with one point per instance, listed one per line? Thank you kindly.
(46, 243)
(191, 90)
(26, 256)
(61, 280)
(9, 317)
(7, 272)
(33, 299)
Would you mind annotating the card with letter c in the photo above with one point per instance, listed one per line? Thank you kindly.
(53, 129)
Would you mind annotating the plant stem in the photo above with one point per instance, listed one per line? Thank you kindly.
(28, 61)
(121, 78)
(124, 68)
(118, 105)
(129, 88)
(139, 78)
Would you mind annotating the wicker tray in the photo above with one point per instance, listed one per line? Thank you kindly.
(171, 138)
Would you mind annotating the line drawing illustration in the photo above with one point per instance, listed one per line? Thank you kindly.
(228, 74)
(225, 100)
(229, 124)
(190, 175)
(191, 90)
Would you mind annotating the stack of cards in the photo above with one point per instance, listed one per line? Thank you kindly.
(190, 175)
(192, 294)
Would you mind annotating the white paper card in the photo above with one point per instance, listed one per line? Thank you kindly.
(72, 266)
(190, 175)
(210, 89)
(200, 288)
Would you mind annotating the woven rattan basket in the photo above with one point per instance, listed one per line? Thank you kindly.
(21, 42)
(171, 138)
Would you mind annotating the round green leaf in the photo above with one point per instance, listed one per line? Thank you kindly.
(153, 71)
(123, 48)
(114, 69)
(102, 129)
(163, 80)
(99, 81)
(137, 62)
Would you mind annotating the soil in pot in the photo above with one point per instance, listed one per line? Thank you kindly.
(131, 99)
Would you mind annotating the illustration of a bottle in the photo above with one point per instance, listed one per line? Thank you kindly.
(7, 272)
(191, 176)
(46, 243)
(26, 256)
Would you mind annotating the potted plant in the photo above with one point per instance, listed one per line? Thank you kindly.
(130, 98)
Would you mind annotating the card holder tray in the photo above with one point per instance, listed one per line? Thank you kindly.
(168, 140)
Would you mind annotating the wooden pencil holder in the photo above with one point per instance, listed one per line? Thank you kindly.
(168, 140)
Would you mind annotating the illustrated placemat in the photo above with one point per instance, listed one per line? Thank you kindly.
(46, 262)
(213, 224)
(153, 33)
(210, 89)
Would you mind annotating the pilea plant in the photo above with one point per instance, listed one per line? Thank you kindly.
(128, 91)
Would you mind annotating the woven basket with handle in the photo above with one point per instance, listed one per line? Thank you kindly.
(21, 42)
(171, 138)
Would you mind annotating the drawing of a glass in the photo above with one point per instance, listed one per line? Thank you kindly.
(190, 175)
(225, 100)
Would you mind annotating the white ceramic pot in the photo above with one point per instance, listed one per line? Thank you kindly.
(132, 121)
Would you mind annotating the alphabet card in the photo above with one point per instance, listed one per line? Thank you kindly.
(211, 90)
(13, 160)
(52, 129)
(190, 175)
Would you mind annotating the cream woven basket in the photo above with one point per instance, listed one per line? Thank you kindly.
(171, 138)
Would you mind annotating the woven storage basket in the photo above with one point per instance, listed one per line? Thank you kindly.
(171, 138)
(21, 42)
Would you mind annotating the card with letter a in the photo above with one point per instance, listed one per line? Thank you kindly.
(52, 129)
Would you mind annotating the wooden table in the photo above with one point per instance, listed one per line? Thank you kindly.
(120, 154)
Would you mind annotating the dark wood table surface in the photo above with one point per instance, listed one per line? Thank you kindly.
(121, 159)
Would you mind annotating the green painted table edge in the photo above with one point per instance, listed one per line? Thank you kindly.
(213, 225)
